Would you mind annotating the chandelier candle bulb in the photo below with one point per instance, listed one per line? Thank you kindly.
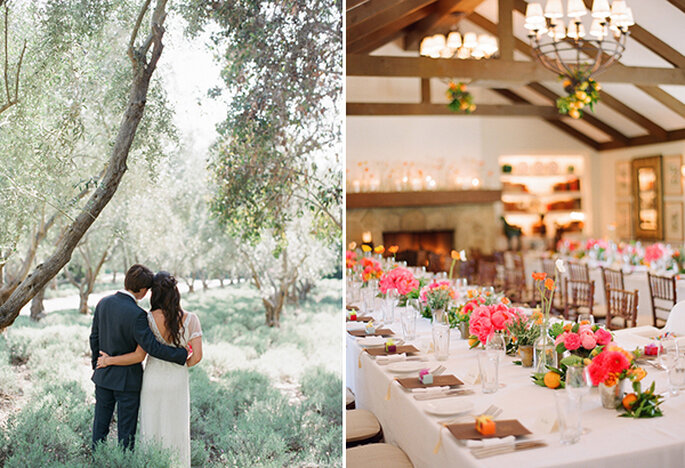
(470, 40)
(576, 8)
(553, 9)
(600, 9)
(454, 40)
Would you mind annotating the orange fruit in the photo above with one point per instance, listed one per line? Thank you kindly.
(473, 341)
(629, 400)
(552, 379)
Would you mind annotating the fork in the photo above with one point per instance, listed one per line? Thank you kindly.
(482, 452)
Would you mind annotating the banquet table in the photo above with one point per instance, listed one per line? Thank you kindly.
(607, 441)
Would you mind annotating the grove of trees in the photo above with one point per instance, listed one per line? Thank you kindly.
(96, 173)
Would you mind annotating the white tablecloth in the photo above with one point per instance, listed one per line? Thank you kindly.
(610, 441)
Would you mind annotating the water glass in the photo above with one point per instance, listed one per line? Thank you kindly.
(488, 363)
(408, 317)
(585, 318)
(389, 306)
(569, 413)
(578, 380)
(441, 341)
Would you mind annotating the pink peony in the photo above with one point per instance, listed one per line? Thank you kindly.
(480, 324)
(572, 341)
(587, 339)
(398, 278)
(654, 252)
(560, 338)
(603, 337)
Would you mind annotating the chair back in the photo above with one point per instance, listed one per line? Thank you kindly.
(622, 304)
(662, 294)
(578, 295)
(548, 266)
(487, 273)
(676, 319)
(578, 271)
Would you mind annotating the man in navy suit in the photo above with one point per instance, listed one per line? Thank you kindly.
(119, 325)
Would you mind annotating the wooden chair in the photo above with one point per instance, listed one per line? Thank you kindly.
(612, 278)
(377, 456)
(662, 292)
(578, 271)
(487, 273)
(621, 304)
(362, 428)
(579, 296)
(350, 403)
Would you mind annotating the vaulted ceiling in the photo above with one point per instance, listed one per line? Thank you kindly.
(643, 96)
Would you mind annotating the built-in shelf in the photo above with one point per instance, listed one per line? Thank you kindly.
(554, 195)
(425, 198)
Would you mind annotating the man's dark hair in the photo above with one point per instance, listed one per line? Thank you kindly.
(138, 277)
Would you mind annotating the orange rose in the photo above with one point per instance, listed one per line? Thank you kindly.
(539, 276)
(549, 283)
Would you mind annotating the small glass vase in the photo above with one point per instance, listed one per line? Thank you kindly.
(464, 330)
(545, 352)
(612, 396)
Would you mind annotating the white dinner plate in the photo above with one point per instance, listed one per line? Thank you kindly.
(449, 407)
(368, 341)
(406, 367)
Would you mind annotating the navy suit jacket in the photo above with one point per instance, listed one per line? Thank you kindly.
(119, 325)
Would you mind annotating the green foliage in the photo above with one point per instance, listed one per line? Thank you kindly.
(647, 404)
(460, 101)
(112, 455)
(281, 141)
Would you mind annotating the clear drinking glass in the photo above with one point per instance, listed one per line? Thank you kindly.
(669, 359)
(578, 380)
(409, 323)
(585, 317)
(488, 363)
(569, 413)
(441, 340)
(496, 343)
(389, 306)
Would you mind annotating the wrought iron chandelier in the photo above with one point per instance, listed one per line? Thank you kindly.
(473, 46)
(566, 50)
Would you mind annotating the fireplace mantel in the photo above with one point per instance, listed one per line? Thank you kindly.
(425, 198)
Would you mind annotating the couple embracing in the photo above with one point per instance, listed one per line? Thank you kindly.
(122, 336)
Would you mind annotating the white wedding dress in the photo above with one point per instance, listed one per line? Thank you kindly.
(165, 397)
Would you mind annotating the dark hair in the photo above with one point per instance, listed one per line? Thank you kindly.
(165, 296)
(138, 277)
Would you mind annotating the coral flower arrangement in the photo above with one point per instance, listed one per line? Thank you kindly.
(487, 319)
(437, 295)
(371, 269)
(400, 279)
(612, 365)
(582, 339)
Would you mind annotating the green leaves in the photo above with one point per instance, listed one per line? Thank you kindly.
(646, 405)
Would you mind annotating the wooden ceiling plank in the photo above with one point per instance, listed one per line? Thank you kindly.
(664, 98)
(397, 109)
(386, 17)
(505, 29)
(580, 136)
(367, 11)
(351, 4)
(386, 34)
(504, 70)
(443, 11)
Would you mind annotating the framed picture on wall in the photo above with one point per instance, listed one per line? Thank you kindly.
(622, 179)
(673, 221)
(672, 175)
(648, 196)
(623, 220)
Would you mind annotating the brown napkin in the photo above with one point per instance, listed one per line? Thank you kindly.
(438, 381)
(400, 349)
(378, 332)
(503, 428)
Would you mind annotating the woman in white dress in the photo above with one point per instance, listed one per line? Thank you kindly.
(165, 395)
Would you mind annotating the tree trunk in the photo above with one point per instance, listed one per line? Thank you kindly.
(114, 276)
(116, 167)
(221, 281)
(84, 293)
(37, 307)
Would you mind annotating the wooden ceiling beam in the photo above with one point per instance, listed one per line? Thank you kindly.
(386, 17)
(679, 4)
(587, 117)
(503, 70)
(672, 135)
(505, 29)
(664, 98)
(443, 16)
(366, 11)
(392, 31)
(396, 109)
(425, 90)
(580, 136)
(351, 4)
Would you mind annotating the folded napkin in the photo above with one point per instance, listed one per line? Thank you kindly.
(491, 442)
(430, 390)
(381, 360)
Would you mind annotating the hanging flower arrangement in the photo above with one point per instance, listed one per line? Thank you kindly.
(460, 99)
(581, 92)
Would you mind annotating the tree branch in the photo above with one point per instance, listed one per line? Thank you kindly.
(134, 33)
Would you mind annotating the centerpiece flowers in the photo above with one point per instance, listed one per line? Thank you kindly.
(398, 278)
(486, 320)
(350, 259)
(524, 330)
(545, 355)
(582, 340)
(371, 269)
(436, 296)
(610, 369)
